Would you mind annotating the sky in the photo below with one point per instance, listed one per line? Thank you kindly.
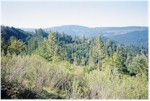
(90, 13)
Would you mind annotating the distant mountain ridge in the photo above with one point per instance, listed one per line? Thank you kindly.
(77, 30)
(136, 38)
(130, 35)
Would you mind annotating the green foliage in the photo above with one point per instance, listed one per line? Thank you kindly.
(16, 46)
(69, 81)
(58, 66)
(138, 65)
(8, 32)
(52, 48)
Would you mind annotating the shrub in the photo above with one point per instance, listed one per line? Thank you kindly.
(63, 80)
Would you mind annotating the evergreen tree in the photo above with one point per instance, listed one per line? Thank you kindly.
(98, 51)
(109, 47)
(51, 43)
(16, 46)
(139, 65)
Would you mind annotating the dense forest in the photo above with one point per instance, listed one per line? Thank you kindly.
(53, 65)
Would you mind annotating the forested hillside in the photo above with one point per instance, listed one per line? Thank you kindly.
(137, 38)
(53, 65)
(130, 35)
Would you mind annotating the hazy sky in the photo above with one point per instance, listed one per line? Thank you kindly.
(91, 13)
